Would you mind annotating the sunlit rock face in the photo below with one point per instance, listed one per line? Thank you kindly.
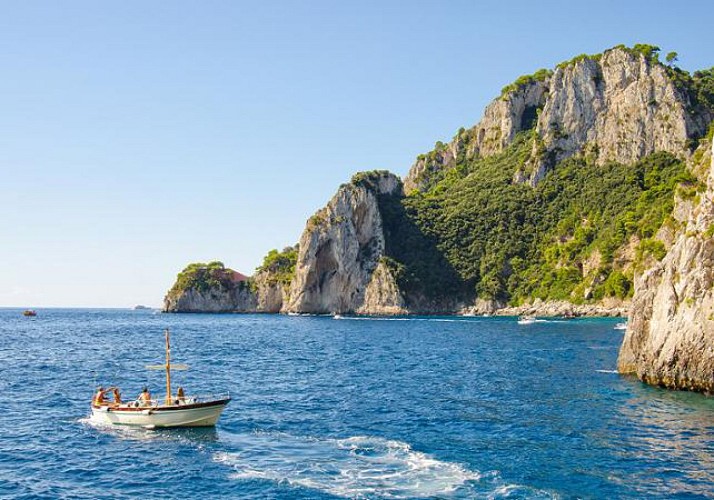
(231, 292)
(670, 336)
(618, 106)
(215, 300)
(503, 119)
(340, 251)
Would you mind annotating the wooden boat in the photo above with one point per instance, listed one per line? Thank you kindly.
(176, 410)
(29, 312)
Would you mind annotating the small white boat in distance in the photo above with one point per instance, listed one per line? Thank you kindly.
(621, 326)
(176, 410)
(526, 320)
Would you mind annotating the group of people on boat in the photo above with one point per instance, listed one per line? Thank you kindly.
(100, 397)
(144, 399)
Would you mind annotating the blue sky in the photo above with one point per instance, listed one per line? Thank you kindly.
(136, 137)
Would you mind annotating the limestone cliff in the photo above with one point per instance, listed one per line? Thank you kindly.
(503, 118)
(620, 106)
(271, 295)
(670, 335)
(215, 300)
(213, 288)
(210, 288)
(340, 250)
(382, 295)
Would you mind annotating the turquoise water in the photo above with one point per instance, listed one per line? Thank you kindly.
(366, 408)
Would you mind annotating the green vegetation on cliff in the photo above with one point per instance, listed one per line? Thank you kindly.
(525, 80)
(204, 277)
(280, 266)
(476, 231)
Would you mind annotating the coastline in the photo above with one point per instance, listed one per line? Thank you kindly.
(614, 309)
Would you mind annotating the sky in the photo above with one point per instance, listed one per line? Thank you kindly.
(137, 137)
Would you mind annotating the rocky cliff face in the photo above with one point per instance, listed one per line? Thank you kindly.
(340, 251)
(209, 288)
(271, 295)
(618, 106)
(382, 295)
(216, 299)
(670, 336)
(503, 119)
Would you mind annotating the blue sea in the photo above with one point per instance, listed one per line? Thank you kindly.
(345, 408)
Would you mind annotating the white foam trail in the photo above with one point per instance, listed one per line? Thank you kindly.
(121, 431)
(606, 371)
(517, 491)
(354, 467)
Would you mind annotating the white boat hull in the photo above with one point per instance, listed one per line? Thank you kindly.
(197, 415)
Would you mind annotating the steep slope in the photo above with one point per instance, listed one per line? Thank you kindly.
(670, 336)
(618, 106)
(209, 288)
(340, 250)
(514, 112)
(216, 289)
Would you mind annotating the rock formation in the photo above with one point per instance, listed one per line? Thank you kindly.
(618, 106)
(670, 335)
(271, 295)
(212, 288)
(215, 300)
(340, 250)
(382, 295)
(503, 118)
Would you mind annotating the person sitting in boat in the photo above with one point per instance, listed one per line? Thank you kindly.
(98, 399)
(180, 396)
(145, 397)
(117, 395)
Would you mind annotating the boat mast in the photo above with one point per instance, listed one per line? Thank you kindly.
(168, 369)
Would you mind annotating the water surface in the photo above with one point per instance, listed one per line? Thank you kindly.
(366, 408)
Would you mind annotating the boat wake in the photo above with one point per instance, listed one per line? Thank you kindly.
(120, 431)
(196, 436)
(357, 467)
(354, 467)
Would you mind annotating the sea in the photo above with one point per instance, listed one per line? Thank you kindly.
(325, 408)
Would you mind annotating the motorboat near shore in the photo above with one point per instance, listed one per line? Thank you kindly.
(526, 320)
(175, 410)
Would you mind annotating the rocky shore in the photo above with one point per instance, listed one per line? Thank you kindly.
(610, 309)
